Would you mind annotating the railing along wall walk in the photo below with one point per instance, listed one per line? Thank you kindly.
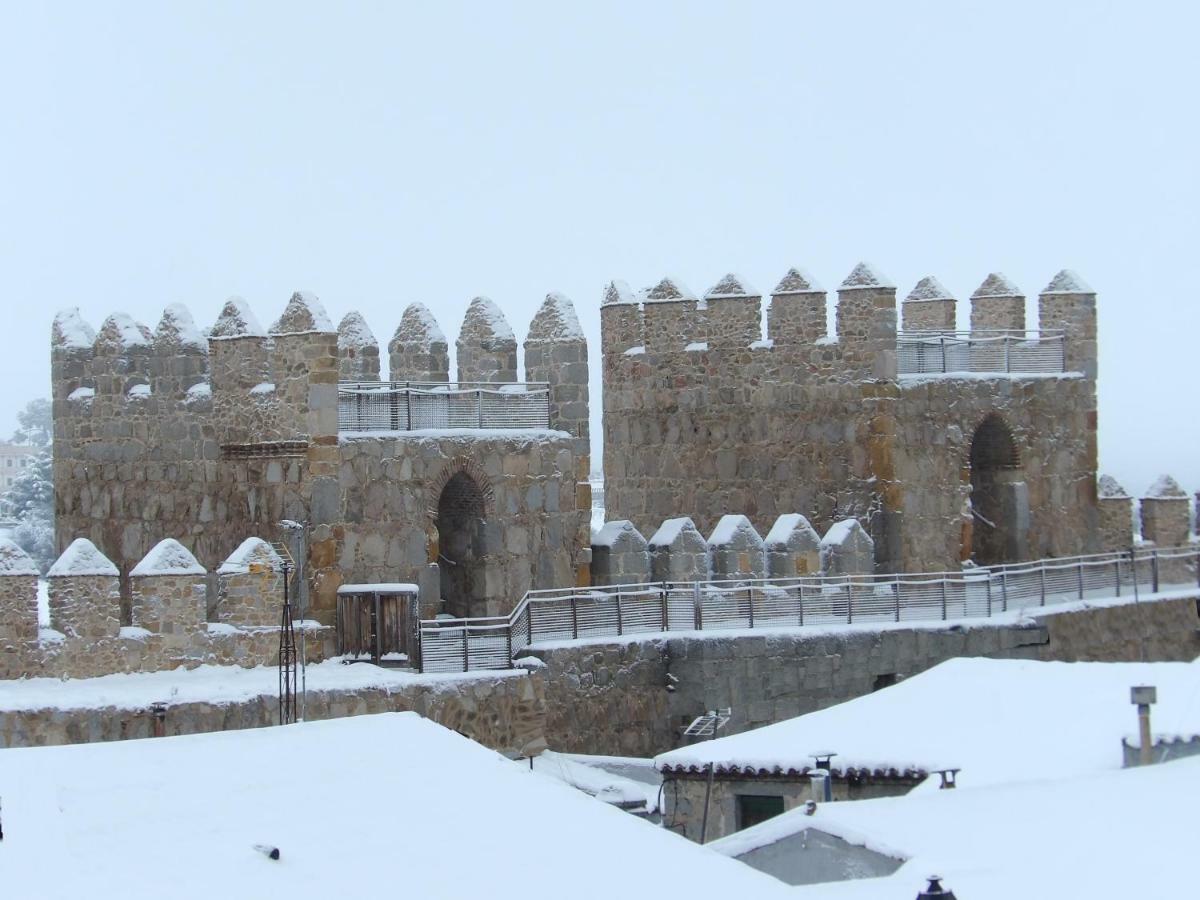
(412, 406)
(990, 352)
(461, 645)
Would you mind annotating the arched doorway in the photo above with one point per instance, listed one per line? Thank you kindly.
(999, 498)
(461, 550)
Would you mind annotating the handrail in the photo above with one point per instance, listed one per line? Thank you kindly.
(993, 351)
(465, 644)
(375, 406)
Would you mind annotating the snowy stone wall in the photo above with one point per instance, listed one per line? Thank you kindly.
(822, 423)
(169, 601)
(505, 713)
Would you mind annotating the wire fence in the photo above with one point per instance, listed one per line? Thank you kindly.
(1030, 352)
(461, 645)
(411, 406)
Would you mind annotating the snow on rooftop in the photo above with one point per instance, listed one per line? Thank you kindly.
(928, 288)
(997, 284)
(840, 532)
(180, 817)
(1067, 282)
(71, 332)
(1108, 488)
(785, 525)
(168, 557)
(865, 275)
(484, 316)
(177, 328)
(14, 560)
(121, 332)
(418, 326)
(252, 550)
(671, 529)
(353, 331)
(618, 292)
(797, 281)
(613, 531)
(728, 528)
(732, 285)
(556, 320)
(304, 313)
(1166, 488)
(668, 289)
(998, 720)
(82, 558)
(595, 781)
(1127, 833)
(236, 320)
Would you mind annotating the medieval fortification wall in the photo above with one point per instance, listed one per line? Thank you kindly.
(213, 438)
(704, 417)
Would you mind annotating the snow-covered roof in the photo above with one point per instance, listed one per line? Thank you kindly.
(668, 289)
(785, 526)
(484, 317)
(555, 320)
(71, 332)
(177, 329)
(1166, 488)
(304, 313)
(418, 326)
(865, 275)
(251, 550)
(670, 530)
(236, 320)
(998, 720)
(928, 288)
(797, 281)
(121, 332)
(420, 795)
(618, 292)
(840, 532)
(168, 557)
(14, 560)
(1109, 489)
(82, 557)
(731, 285)
(997, 284)
(1067, 282)
(1126, 833)
(353, 331)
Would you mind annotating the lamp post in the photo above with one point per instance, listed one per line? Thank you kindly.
(1142, 696)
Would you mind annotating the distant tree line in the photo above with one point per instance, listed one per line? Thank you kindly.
(31, 496)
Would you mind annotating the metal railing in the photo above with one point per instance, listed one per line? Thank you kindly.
(461, 645)
(411, 406)
(945, 352)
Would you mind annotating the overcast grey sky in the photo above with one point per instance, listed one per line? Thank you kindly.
(384, 153)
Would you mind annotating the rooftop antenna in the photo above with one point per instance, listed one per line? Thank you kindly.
(287, 644)
(707, 726)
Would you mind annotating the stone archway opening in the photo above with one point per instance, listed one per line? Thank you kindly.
(999, 497)
(461, 550)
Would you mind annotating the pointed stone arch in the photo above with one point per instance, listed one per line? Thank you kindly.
(999, 528)
(461, 503)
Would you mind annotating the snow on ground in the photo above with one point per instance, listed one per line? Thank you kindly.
(209, 684)
(998, 720)
(394, 803)
(1127, 833)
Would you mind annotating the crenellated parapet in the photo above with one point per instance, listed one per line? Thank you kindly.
(556, 353)
(998, 305)
(673, 318)
(358, 349)
(1068, 304)
(796, 316)
(929, 307)
(487, 347)
(1115, 515)
(418, 350)
(1166, 513)
(169, 610)
(736, 551)
(866, 323)
(734, 313)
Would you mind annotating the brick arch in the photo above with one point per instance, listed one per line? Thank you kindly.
(993, 444)
(468, 467)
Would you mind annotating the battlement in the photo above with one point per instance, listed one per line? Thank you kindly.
(641, 331)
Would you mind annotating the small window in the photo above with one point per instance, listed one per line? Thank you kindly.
(9, 462)
(755, 808)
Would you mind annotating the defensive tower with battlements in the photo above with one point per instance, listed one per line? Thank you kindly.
(946, 446)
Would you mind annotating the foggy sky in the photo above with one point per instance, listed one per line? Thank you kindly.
(379, 154)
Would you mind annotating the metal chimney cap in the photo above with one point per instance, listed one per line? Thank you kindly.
(935, 889)
(1143, 694)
